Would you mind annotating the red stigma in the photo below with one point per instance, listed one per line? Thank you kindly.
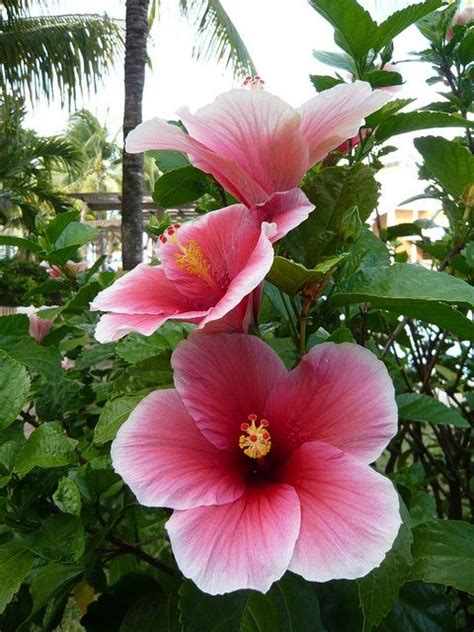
(252, 417)
(163, 239)
(253, 438)
(244, 427)
(265, 435)
(264, 423)
(170, 230)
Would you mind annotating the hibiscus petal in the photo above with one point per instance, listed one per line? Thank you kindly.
(158, 134)
(257, 131)
(244, 544)
(336, 114)
(223, 378)
(349, 514)
(341, 394)
(166, 461)
(112, 327)
(143, 290)
(286, 209)
(218, 259)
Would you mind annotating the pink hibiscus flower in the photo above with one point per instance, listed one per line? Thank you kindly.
(39, 327)
(72, 267)
(210, 271)
(267, 470)
(256, 145)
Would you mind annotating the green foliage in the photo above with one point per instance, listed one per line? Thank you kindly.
(20, 279)
(218, 39)
(449, 163)
(179, 187)
(72, 531)
(289, 605)
(67, 52)
(443, 553)
(418, 407)
(47, 447)
(14, 387)
(378, 591)
(15, 564)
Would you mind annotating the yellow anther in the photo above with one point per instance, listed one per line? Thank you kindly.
(256, 442)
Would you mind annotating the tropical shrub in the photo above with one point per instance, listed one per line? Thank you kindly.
(111, 420)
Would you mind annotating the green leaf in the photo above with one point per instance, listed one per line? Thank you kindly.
(414, 121)
(378, 591)
(43, 360)
(179, 187)
(386, 111)
(51, 580)
(75, 234)
(324, 82)
(450, 163)
(56, 226)
(94, 355)
(417, 407)
(344, 15)
(337, 193)
(400, 20)
(292, 277)
(14, 326)
(62, 256)
(403, 283)
(52, 404)
(136, 348)
(81, 300)
(15, 564)
(439, 314)
(383, 78)
(14, 387)
(403, 230)
(466, 48)
(27, 244)
(420, 608)
(60, 539)
(289, 606)
(114, 414)
(47, 447)
(443, 553)
(434, 25)
(168, 160)
(67, 497)
(337, 60)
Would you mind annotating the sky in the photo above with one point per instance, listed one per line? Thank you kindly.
(280, 35)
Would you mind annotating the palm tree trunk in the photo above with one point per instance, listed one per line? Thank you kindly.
(132, 182)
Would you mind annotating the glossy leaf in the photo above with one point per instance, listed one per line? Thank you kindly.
(292, 277)
(414, 121)
(15, 564)
(14, 387)
(443, 553)
(378, 591)
(114, 414)
(449, 162)
(47, 447)
(288, 606)
(417, 407)
(179, 187)
(404, 283)
(344, 15)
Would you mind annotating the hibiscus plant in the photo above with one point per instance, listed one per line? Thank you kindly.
(267, 427)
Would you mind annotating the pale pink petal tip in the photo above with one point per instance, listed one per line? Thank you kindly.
(245, 544)
(166, 461)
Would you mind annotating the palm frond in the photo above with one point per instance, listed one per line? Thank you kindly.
(218, 38)
(68, 52)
